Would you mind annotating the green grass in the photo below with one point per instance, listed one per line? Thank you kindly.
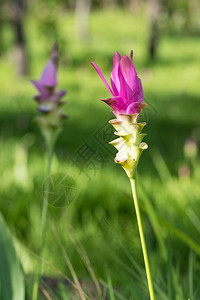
(102, 217)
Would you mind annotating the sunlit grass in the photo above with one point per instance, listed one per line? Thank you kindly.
(102, 215)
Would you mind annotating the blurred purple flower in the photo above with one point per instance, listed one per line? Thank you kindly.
(48, 97)
(127, 93)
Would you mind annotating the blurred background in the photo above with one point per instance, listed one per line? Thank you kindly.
(94, 206)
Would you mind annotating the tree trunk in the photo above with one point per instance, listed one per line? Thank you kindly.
(154, 13)
(109, 3)
(1, 38)
(134, 5)
(2, 20)
(82, 14)
(17, 14)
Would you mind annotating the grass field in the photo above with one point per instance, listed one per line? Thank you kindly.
(101, 215)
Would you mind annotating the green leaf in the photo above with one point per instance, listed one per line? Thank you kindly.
(181, 235)
(11, 275)
(155, 223)
(110, 288)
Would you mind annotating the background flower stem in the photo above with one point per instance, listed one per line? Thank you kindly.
(144, 249)
(44, 220)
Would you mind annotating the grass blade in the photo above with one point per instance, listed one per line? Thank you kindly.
(11, 276)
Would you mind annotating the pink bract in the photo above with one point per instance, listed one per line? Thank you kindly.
(47, 84)
(126, 88)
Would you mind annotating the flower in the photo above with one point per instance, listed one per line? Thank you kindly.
(190, 148)
(126, 88)
(48, 98)
(126, 102)
(129, 141)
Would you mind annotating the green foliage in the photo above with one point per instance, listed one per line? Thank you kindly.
(12, 285)
(102, 215)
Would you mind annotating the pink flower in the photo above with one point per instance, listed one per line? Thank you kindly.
(126, 88)
(47, 84)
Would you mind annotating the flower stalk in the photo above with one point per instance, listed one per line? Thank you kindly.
(130, 147)
(142, 239)
(50, 121)
(43, 222)
(127, 101)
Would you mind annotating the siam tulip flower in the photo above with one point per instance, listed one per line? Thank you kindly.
(49, 99)
(126, 88)
(50, 123)
(127, 102)
(190, 149)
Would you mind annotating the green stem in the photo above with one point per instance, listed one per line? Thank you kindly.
(144, 249)
(43, 224)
